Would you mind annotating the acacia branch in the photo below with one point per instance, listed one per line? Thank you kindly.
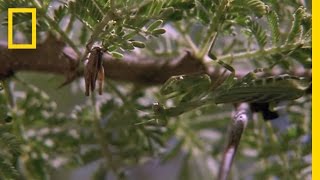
(52, 56)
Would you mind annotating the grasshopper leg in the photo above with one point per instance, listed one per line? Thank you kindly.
(87, 80)
(100, 79)
(229, 79)
(92, 81)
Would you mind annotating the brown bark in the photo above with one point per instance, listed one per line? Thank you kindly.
(52, 56)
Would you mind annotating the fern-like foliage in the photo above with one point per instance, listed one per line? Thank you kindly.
(296, 28)
(8, 171)
(5, 4)
(257, 7)
(88, 12)
(258, 33)
(273, 21)
(125, 127)
(10, 145)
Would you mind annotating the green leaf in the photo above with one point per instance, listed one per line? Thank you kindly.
(138, 44)
(258, 7)
(59, 13)
(258, 33)
(117, 55)
(127, 45)
(296, 27)
(273, 21)
(202, 13)
(157, 32)
(154, 25)
(87, 11)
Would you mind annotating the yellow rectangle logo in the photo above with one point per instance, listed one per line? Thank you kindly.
(33, 44)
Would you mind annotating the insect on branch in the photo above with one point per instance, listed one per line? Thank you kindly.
(94, 70)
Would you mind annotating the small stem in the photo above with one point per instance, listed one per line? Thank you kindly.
(236, 130)
(100, 136)
(97, 5)
(70, 24)
(214, 27)
(207, 45)
(259, 53)
(63, 34)
(187, 38)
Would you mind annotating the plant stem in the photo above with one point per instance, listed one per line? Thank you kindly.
(207, 44)
(259, 53)
(214, 27)
(187, 38)
(100, 136)
(63, 34)
(70, 24)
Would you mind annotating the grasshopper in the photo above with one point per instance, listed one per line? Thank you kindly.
(193, 91)
(94, 70)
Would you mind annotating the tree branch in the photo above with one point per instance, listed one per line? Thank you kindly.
(52, 56)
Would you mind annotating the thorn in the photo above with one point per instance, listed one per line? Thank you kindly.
(68, 80)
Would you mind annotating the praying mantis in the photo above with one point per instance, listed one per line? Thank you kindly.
(192, 91)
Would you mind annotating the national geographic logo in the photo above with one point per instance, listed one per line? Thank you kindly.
(33, 44)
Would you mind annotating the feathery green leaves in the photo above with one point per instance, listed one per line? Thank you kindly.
(296, 28)
(186, 121)
(86, 11)
(7, 169)
(257, 7)
(273, 21)
(258, 32)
